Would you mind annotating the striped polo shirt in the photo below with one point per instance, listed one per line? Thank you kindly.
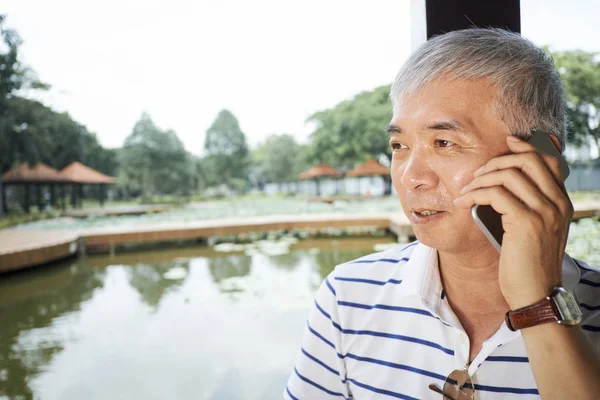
(381, 327)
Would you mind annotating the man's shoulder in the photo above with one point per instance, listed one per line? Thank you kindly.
(376, 263)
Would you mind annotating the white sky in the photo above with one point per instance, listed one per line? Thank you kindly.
(272, 63)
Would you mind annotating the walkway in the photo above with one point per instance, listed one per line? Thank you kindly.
(19, 249)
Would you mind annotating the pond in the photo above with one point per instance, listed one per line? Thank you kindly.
(175, 323)
(167, 324)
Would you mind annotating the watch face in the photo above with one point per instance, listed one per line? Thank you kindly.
(567, 306)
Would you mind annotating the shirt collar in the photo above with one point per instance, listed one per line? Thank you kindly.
(423, 279)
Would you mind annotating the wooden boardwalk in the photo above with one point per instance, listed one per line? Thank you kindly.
(20, 249)
(24, 248)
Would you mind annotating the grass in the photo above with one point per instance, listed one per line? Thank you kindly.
(245, 205)
(17, 219)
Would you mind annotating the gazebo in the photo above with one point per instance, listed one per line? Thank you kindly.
(319, 173)
(371, 175)
(80, 174)
(38, 175)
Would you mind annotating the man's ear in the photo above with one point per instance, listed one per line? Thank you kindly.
(556, 142)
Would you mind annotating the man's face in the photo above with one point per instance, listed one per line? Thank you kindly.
(439, 138)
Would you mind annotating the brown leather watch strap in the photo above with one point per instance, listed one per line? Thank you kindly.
(536, 314)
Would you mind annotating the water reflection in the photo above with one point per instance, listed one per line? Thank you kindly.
(30, 301)
(149, 280)
(228, 327)
(229, 266)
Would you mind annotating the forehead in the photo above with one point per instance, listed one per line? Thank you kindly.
(460, 99)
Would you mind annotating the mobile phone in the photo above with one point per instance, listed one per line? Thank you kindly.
(487, 219)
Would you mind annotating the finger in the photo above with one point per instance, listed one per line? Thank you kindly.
(518, 185)
(499, 198)
(552, 163)
(535, 169)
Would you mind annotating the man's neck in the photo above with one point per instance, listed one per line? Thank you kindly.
(472, 274)
(470, 281)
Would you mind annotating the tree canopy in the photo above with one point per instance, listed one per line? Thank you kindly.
(353, 131)
(226, 149)
(279, 158)
(580, 73)
(154, 161)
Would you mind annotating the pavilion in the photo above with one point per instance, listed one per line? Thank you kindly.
(371, 178)
(80, 174)
(325, 178)
(38, 176)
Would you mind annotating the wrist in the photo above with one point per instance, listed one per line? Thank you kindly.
(529, 298)
(560, 306)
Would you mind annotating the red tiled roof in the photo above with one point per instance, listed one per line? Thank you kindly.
(369, 168)
(40, 173)
(320, 171)
(79, 173)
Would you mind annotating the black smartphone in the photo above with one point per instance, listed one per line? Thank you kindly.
(487, 219)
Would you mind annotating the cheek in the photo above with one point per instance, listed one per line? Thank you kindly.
(455, 175)
(455, 180)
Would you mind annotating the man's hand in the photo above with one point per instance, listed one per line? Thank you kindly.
(527, 189)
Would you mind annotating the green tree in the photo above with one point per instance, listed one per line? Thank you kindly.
(226, 149)
(55, 138)
(14, 76)
(277, 158)
(580, 73)
(154, 161)
(353, 131)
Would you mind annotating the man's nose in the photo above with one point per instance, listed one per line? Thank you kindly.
(416, 172)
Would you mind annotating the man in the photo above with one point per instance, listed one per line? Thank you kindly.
(428, 320)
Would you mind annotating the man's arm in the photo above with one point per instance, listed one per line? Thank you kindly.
(528, 190)
(564, 363)
(320, 372)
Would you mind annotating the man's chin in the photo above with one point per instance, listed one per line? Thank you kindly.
(442, 241)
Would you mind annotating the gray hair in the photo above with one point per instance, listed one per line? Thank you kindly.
(530, 93)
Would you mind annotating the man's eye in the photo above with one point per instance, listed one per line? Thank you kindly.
(397, 146)
(443, 143)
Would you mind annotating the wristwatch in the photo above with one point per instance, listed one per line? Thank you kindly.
(560, 306)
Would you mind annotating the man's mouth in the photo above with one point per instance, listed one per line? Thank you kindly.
(423, 215)
(427, 212)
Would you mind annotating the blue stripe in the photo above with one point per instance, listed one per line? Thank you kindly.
(416, 242)
(384, 335)
(399, 337)
(329, 286)
(483, 388)
(290, 394)
(387, 260)
(397, 366)
(317, 334)
(391, 260)
(381, 334)
(591, 308)
(319, 386)
(507, 359)
(497, 389)
(590, 328)
(589, 283)
(321, 363)
(338, 326)
(584, 268)
(370, 281)
(385, 307)
(382, 391)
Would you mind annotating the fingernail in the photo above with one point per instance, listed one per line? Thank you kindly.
(514, 139)
(479, 170)
(463, 190)
(458, 199)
